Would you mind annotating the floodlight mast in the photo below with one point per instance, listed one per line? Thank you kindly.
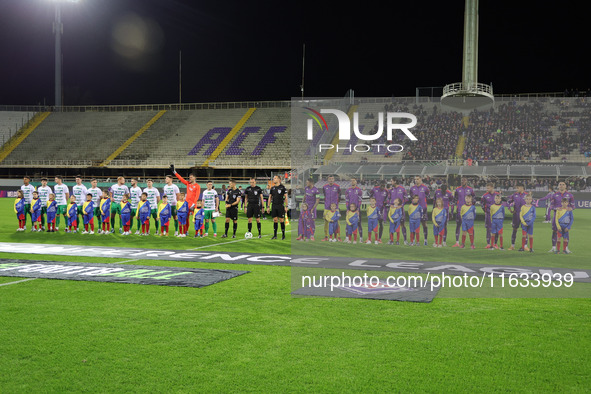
(480, 94)
(58, 29)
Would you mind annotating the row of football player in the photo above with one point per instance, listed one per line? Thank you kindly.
(162, 216)
(385, 198)
(252, 196)
(417, 217)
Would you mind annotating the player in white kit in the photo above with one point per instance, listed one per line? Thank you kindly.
(172, 191)
(62, 196)
(211, 202)
(153, 199)
(79, 191)
(44, 191)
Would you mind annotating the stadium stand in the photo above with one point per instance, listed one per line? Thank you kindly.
(233, 132)
(510, 132)
(445, 125)
(179, 134)
(264, 140)
(130, 140)
(437, 133)
(11, 122)
(556, 130)
(22, 134)
(80, 136)
(335, 139)
(553, 130)
(576, 128)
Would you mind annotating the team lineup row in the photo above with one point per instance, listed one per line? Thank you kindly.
(387, 205)
(198, 209)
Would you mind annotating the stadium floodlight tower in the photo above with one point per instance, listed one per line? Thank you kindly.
(469, 93)
(58, 29)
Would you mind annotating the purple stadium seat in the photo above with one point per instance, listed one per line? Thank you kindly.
(314, 142)
(209, 139)
(234, 149)
(267, 139)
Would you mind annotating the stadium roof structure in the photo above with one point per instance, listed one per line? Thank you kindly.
(413, 168)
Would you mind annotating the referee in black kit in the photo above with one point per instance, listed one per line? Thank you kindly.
(233, 197)
(278, 203)
(253, 196)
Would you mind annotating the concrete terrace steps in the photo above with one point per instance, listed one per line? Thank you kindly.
(81, 135)
(159, 136)
(131, 139)
(22, 135)
(233, 133)
(177, 133)
(11, 122)
(240, 150)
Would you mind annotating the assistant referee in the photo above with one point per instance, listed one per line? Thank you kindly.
(277, 205)
(233, 197)
(253, 195)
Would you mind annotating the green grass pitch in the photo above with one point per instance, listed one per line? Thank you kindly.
(248, 334)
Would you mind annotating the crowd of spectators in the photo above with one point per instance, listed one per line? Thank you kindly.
(510, 132)
(518, 131)
(577, 92)
(437, 136)
(525, 132)
(583, 125)
(437, 133)
(574, 124)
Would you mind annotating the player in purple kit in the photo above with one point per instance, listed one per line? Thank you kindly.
(446, 197)
(311, 197)
(486, 201)
(548, 198)
(422, 190)
(516, 201)
(398, 191)
(353, 195)
(460, 199)
(380, 193)
(556, 203)
(332, 195)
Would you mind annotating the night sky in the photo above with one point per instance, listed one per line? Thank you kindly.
(127, 51)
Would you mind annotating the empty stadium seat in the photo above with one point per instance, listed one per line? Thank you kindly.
(11, 122)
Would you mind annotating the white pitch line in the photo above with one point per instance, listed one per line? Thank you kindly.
(17, 281)
(229, 242)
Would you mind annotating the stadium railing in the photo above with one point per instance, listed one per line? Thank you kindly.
(49, 163)
(189, 163)
(149, 107)
(460, 87)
